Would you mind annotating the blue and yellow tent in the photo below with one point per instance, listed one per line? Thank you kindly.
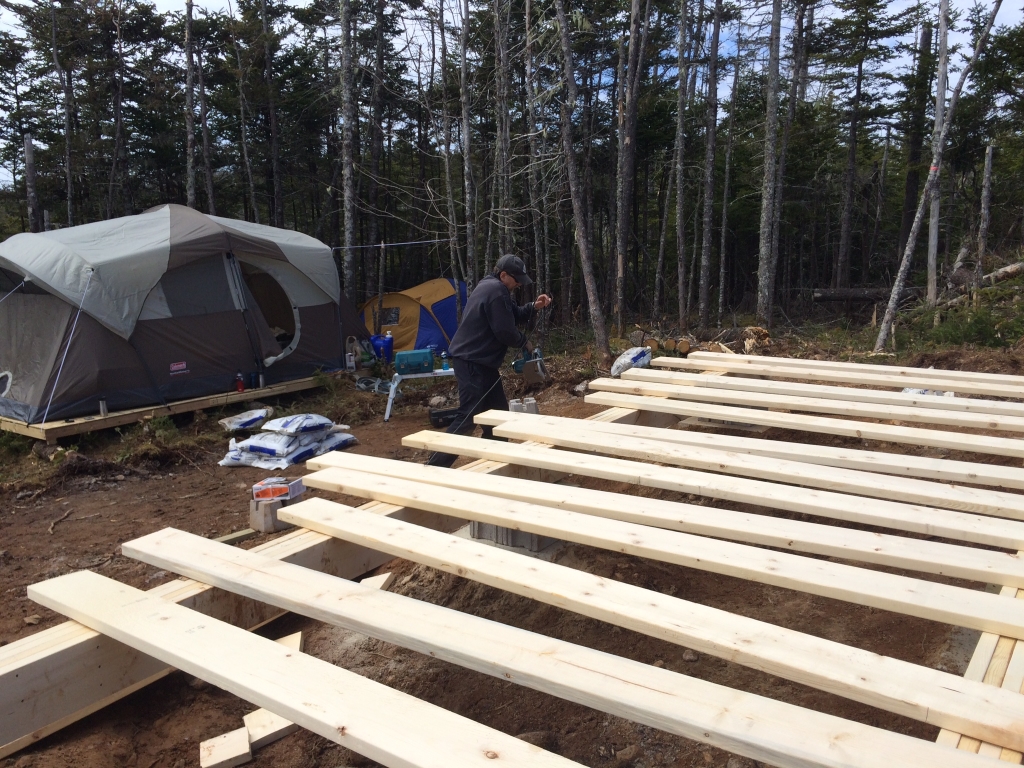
(420, 317)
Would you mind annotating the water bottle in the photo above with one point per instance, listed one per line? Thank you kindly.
(444, 361)
(239, 382)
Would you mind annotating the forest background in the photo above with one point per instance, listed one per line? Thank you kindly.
(669, 162)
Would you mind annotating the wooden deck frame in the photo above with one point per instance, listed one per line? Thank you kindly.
(907, 689)
(932, 438)
(51, 431)
(826, 391)
(943, 470)
(920, 555)
(747, 724)
(363, 715)
(930, 521)
(851, 481)
(780, 370)
(858, 585)
(838, 365)
(60, 675)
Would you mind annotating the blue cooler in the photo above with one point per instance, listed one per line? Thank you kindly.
(414, 361)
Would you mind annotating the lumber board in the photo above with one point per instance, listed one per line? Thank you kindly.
(831, 392)
(369, 718)
(806, 404)
(226, 751)
(914, 691)
(890, 592)
(935, 557)
(943, 470)
(748, 367)
(933, 438)
(51, 431)
(763, 729)
(948, 524)
(889, 370)
(56, 677)
(852, 481)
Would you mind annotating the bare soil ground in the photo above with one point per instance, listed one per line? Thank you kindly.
(55, 522)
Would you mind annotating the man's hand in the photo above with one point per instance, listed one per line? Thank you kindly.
(528, 347)
(542, 301)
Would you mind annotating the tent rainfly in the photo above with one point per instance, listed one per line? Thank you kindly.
(424, 316)
(165, 305)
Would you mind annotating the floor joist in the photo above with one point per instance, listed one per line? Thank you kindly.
(749, 725)
(934, 557)
(825, 391)
(751, 366)
(908, 689)
(961, 526)
(899, 594)
(369, 718)
(850, 481)
(934, 438)
(1006, 379)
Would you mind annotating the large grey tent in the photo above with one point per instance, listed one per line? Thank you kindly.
(165, 305)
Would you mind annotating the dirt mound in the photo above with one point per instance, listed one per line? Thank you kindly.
(980, 360)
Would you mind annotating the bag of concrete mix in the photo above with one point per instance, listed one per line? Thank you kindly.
(248, 420)
(299, 424)
(634, 357)
(336, 441)
(270, 444)
(237, 457)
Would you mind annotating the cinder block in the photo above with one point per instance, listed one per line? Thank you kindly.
(263, 516)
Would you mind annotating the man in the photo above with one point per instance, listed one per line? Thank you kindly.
(488, 330)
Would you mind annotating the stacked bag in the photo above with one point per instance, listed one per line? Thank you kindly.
(288, 440)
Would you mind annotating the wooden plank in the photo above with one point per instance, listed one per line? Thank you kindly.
(918, 692)
(226, 751)
(934, 438)
(382, 581)
(825, 391)
(367, 717)
(56, 677)
(979, 529)
(943, 470)
(888, 370)
(810, 402)
(745, 366)
(890, 592)
(790, 535)
(749, 725)
(852, 481)
(52, 430)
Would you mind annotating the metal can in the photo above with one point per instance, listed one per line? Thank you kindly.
(254, 380)
(103, 407)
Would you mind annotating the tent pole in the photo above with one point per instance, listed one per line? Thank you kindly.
(67, 347)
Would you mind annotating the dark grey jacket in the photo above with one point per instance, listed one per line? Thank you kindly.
(489, 325)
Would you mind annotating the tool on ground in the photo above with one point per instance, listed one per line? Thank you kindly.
(278, 489)
(531, 366)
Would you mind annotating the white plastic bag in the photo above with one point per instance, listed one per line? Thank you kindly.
(301, 423)
(634, 357)
(247, 420)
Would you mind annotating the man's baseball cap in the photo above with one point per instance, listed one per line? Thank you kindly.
(514, 266)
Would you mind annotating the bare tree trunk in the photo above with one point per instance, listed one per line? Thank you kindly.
(190, 109)
(576, 190)
(938, 144)
(765, 273)
(534, 141)
(242, 121)
(207, 162)
(725, 181)
(467, 156)
(458, 268)
(711, 127)
(880, 199)
(683, 66)
(659, 273)
(65, 80)
(841, 276)
(503, 148)
(986, 212)
(940, 104)
(780, 173)
(377, 143)
(348, 111)
(277, 213)
(35, 218)
(626, 176)
(915, 135)
(118, 125)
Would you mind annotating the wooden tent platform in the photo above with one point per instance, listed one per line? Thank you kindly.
(51, 431)
(121, 638)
